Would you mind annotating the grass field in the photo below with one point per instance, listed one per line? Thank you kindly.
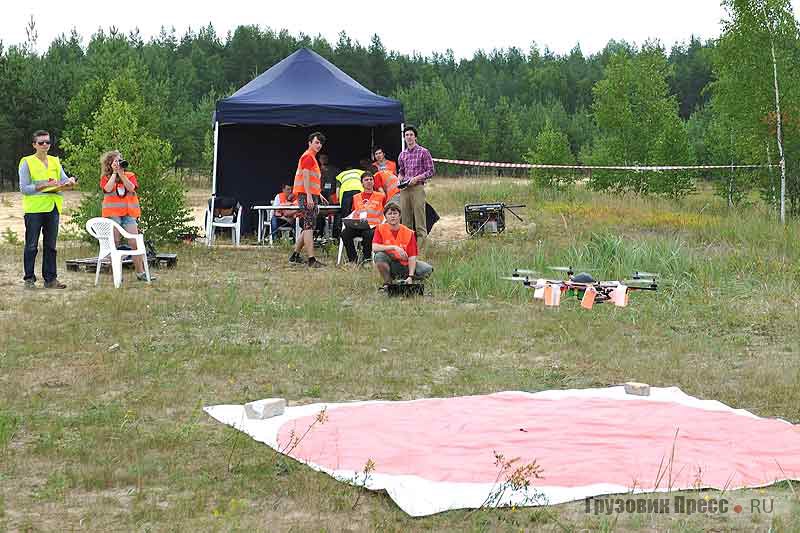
(102, 439)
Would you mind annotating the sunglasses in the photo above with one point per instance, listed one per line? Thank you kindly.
(42, 143)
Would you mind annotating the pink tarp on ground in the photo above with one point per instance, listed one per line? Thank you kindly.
(437, 454)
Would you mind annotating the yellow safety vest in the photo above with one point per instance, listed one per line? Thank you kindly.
(43, 202)
(350, 180)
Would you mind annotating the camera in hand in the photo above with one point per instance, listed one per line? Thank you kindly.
(123, 163)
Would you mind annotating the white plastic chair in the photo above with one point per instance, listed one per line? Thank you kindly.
(234, 222)
(102, 229)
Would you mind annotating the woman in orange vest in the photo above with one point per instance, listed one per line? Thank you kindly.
(396, 250)
(367, 207)
(120, 201)
(388, 184)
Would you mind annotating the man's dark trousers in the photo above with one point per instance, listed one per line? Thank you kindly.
(345, 208)
(47, 225)
(348, 234)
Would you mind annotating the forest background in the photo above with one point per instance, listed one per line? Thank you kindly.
(706, 103)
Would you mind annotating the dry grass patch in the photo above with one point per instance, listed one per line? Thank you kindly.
(104, 439)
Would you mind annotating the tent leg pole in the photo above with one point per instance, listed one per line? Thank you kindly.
(210, 228)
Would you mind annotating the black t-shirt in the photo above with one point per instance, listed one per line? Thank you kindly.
(329, 173)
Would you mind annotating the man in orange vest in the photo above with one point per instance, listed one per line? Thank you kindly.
(396, 251)
(285, 197)
(307, 189)
(41, 180)
(367, 208)
(381, 163)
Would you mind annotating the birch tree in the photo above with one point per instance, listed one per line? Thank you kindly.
(757, 91)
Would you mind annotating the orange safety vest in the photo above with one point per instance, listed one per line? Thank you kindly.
(402, 240)
(283, 199)
(391, 167)
(314, 176)
(115, 205)
(373, 206)
(390, 183)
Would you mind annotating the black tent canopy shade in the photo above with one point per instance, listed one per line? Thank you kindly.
(306, 89)
(261, 130)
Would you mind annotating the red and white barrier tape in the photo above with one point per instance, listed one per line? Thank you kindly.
(589, 167)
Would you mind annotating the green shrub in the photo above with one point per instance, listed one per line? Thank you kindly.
(552, 148)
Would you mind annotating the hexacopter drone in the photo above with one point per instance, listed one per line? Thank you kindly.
(583, 287)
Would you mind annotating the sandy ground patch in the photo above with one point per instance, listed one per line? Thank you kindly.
(11, 211)
(448, 228)
(11, 215)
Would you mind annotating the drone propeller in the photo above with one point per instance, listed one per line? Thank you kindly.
(569, 270)
(641, 284)
(645, 275)
(518, 271)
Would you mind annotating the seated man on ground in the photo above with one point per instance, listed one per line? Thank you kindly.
(396, 251)
(283, 218)
(368, 210)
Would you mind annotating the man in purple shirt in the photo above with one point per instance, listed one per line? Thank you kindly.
(414, 168)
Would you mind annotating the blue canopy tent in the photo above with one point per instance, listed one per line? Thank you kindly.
(261, 130)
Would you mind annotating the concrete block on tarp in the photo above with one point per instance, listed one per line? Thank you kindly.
(637, 389)
(266, 408)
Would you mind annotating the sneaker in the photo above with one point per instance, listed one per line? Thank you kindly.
(384, 288)
(30, 284)
(54, 284)
(295, 258)
(313, 263)
(141, 276)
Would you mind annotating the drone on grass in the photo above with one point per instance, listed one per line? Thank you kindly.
(583, 287)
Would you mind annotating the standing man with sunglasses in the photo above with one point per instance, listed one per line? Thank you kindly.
(41, 180)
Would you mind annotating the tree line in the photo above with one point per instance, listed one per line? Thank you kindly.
(708, 102)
